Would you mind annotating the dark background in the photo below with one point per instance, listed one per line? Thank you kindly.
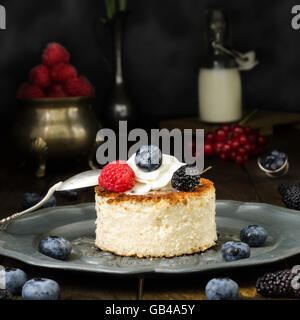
(162, 51)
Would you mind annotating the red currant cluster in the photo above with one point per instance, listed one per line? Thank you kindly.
(235, 143)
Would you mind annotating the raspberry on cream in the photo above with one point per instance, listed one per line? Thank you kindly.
(155, 180)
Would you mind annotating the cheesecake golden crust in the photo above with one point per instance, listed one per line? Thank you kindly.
(170, 196)
(158, 224)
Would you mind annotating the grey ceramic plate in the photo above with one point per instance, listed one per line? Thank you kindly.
(76, 223)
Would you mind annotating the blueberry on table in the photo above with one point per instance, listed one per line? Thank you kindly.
(222, 289)
(55, 247)
(50, 203)
(148, 158)
(41, 289)
(14, 280)
(290, 193)
(235, 250)
(28, 200)
(254, 235)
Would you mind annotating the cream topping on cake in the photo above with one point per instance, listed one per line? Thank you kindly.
(156, 180)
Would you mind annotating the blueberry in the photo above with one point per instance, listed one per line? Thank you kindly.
(55, 247)
(50, 203)
(14, 280)
(274, 166)
(69, 194)
(275, 153)
(148, 158)
(254, 235)
(282, 156)
(268, 161)
(30, 199)
(222, 289)
(279, 162)
(232, 251)
(41, 289)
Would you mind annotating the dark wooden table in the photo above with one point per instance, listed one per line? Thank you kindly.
(243, 183)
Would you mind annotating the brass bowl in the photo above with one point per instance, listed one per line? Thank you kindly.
(56, 128)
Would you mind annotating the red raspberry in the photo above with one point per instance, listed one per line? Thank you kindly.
(78, 87)
(40, 76)
(62, 72)
(54, 54)
(30, 91)
(57, 91)
(117, 177)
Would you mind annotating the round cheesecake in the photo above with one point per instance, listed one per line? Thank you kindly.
(157, 224)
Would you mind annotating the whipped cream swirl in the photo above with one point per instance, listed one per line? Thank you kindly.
(159, 179)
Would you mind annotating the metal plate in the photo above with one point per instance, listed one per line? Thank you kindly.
(77, 224)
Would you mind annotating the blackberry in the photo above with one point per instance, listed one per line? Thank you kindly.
(186, 178)
(291, 196)
(278, 284)
(282, 188)
(295, 283)
(5, 295)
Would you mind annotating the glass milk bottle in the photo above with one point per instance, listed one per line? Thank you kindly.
(219, 83)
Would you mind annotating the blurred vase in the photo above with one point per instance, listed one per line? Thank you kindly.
(118, 106)
(55, 128)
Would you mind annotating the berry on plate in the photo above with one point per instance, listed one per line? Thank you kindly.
(14, 280)
(254, 235)
(40, 76)
(232, 251)
(54, 54)
(222, 289)
(55, 247)
(117, 176)
(62, 72)
(76, 87)
(41, 289)
(148, 158)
